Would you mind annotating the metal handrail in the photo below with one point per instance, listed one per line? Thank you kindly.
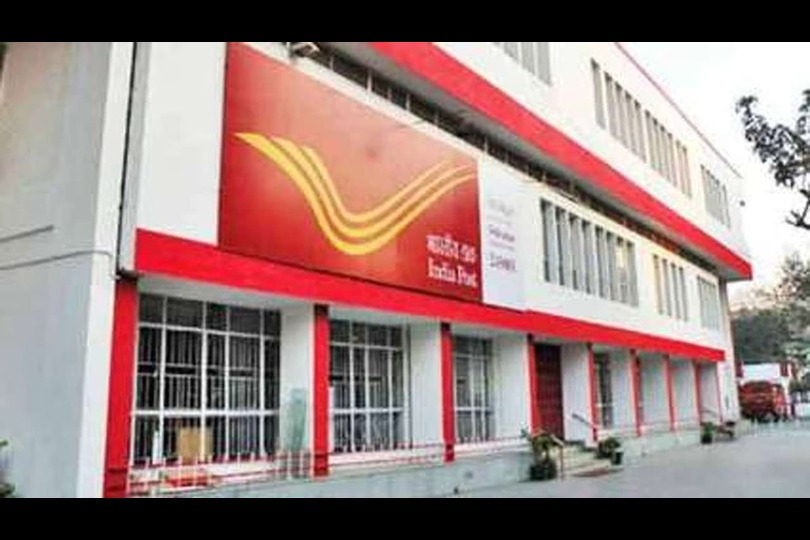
(560, 444)
(595, 427)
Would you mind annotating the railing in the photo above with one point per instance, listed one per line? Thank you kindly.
(594, 427)
(176, 477)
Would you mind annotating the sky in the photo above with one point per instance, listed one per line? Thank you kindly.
(706, 79)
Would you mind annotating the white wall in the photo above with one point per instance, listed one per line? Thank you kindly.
(576, 392)
(708, 392)
(512, 392)
(175, 160)
(568, 105)
(684, 391)
(655, 401)
(426, 383)
(621, 380)
(62, 120)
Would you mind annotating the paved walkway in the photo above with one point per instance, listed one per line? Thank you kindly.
(770, 462)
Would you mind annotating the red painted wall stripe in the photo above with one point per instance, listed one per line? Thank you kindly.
(593, 393)
(448, 406)
(635, 381)
(321, 391)
(119, 404)
(432, 64)
(698, 397)
(670, 392)
(534, 401)
(165, 255)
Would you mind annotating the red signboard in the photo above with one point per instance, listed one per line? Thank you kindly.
(311, 177)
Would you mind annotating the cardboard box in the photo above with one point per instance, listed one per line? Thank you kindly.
(193, 444)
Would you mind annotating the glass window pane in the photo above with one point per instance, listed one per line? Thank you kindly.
(184, 313)
(150, 308)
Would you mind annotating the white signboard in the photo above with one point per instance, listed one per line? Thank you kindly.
(499, 199)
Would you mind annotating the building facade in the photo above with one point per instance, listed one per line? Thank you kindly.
(226, 263)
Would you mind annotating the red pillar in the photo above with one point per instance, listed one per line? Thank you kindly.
(534, 402)
(634, 382)
(670, 391)
(698, 399)
(321, 391)
(119, 402)
(593, 395)
(448, 407)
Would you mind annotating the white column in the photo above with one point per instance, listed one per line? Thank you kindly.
(576, 391)
(654, 392)
(426, 383)
(683, 382)
(621, 384)
(297, 377)
(511, 386)
(708, 392)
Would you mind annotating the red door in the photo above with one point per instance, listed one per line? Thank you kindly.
(549, 388)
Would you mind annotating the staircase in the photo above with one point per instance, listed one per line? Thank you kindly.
(579, 461)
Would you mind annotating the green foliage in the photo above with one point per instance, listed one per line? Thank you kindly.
(786, 150)
(779, 331)
(608, 447)
(541, 443)
(6, 490)
(759, 334)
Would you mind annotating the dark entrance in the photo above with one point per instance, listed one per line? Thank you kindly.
(549, 388)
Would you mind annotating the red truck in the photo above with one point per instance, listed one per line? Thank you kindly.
(763, 401)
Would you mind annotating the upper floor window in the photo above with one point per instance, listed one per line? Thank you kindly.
(709, 304)
(585, 258)
(716, 197)
(639, 131)
(670, 289)
(532, 55)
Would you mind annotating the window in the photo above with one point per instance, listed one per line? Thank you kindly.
(716, 197)
(584, 257)
(604, 390)
(587, 237)
(562, 247)
(601, 258)
(472, 365)
(206, 381)
(659, 299)
(709, 304)
(611, 100)
(598, 94)
(3, 53)
(551, 255)
(367, 385)
(627, 124)
(533, 56)
(611, 267)
(576, 254)
(670, 289)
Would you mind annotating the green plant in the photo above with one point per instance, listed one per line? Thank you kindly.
(608, 447)
(706, 432)
(544, 466)
(6, 490)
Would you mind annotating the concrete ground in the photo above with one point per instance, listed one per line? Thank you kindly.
(769, 462)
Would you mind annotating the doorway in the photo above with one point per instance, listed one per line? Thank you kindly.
(549, 388)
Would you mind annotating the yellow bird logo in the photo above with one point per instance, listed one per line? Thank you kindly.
(356, 233)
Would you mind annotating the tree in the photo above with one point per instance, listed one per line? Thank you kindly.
(759, 334)
(785, 150)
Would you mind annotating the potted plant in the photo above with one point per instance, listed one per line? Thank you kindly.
(610, 448)
(544, 466)
(706, 433)
(6, 490)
